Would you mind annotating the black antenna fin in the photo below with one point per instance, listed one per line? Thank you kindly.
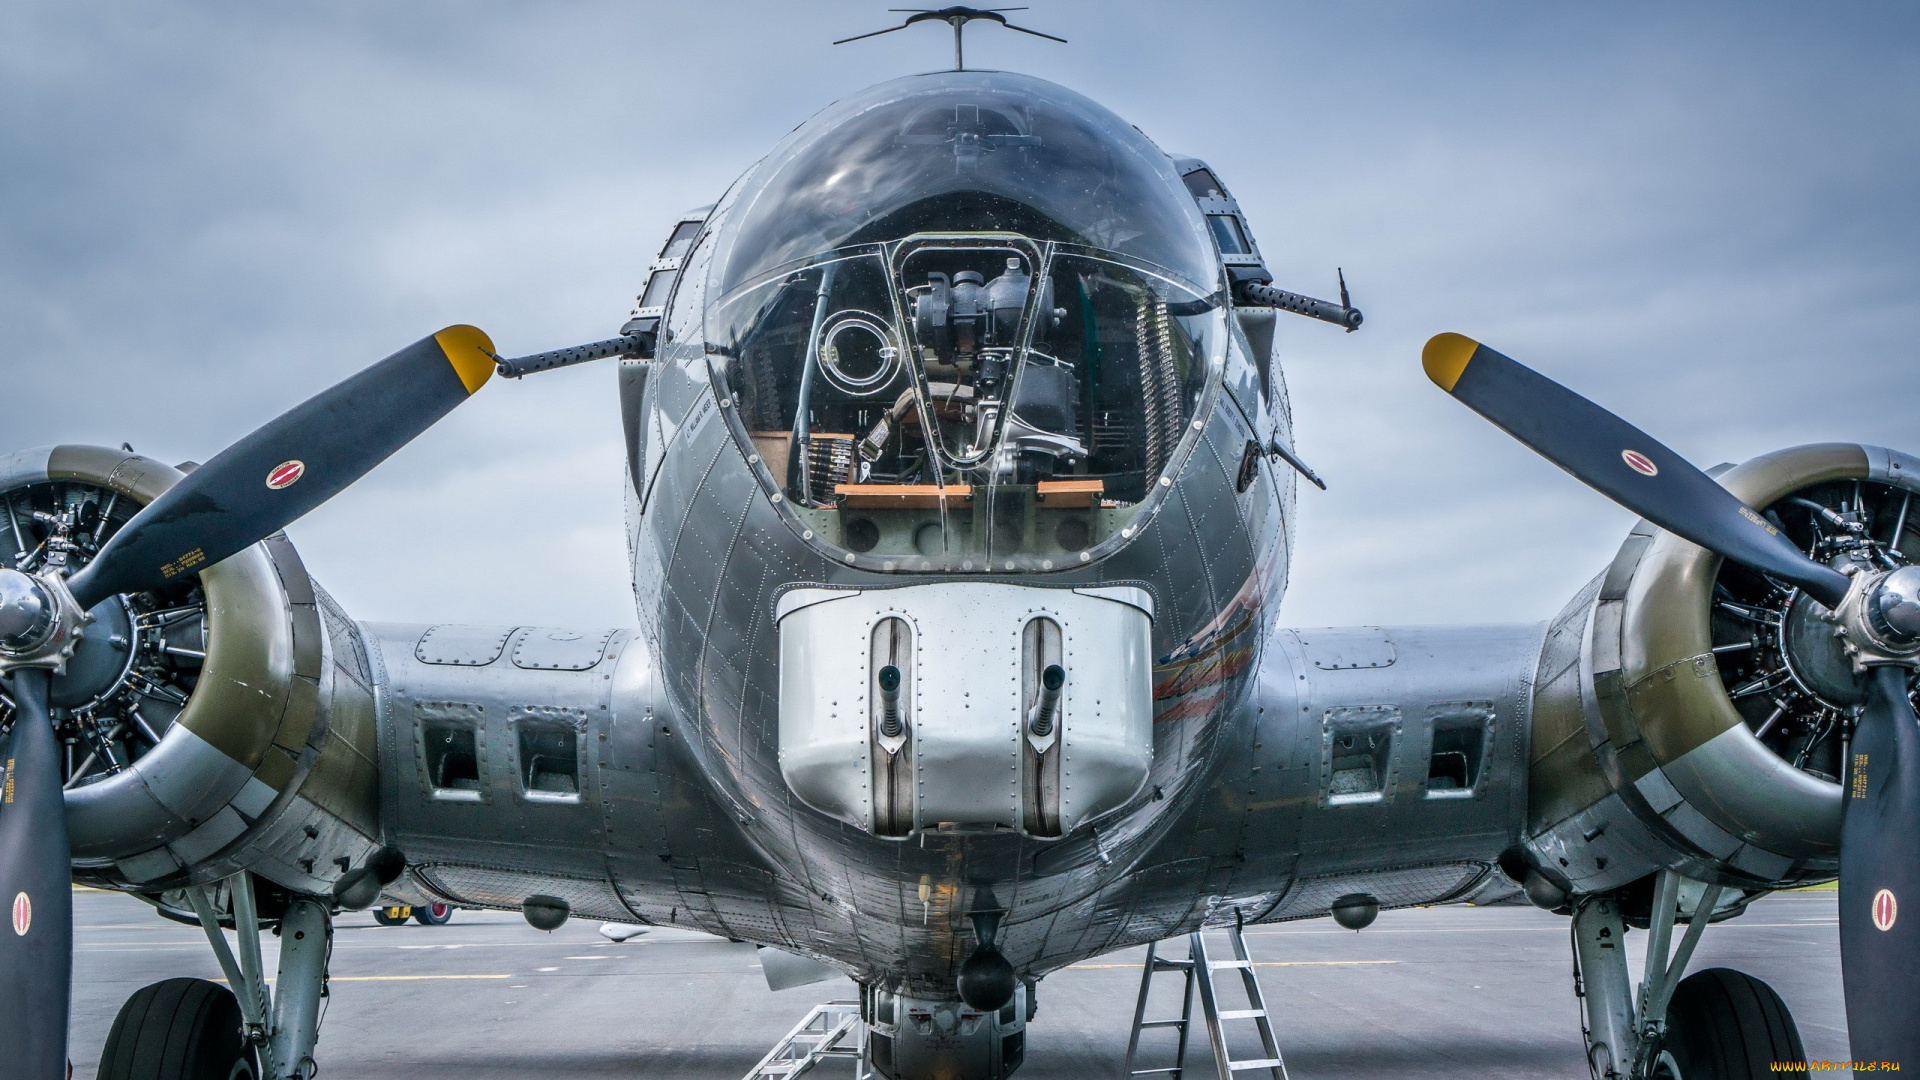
(958, 18)
(876, 33)
(1035, 33)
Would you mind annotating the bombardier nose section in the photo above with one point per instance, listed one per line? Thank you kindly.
(977, 704)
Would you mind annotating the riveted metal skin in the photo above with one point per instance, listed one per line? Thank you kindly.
(965, 750)
(269, 766)
(1310, 835)
(1640, 758)
(1263, 774)
(497, 838)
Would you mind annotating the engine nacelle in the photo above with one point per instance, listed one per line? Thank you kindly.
(1691, 714)
(223, 723)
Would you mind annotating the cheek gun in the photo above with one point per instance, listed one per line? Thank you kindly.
(1048, 706)
(1251, 291)
(890, 702)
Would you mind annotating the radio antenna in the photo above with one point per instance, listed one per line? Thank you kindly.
(958, 18)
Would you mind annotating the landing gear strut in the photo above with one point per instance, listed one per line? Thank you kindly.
(244, 1034)
(1714, 1025)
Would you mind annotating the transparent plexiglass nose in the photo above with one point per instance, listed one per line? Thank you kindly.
(968, 320)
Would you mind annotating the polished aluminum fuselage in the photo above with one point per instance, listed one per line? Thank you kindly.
(1229, 811)
(684, 816)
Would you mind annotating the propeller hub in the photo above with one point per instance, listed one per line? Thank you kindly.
(39, 621)
(1880, 619)
(1894, 609)
(26, 611)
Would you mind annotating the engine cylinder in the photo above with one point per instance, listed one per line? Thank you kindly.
(1644, 756)
(220, 724)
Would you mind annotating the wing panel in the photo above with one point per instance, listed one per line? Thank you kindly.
(1383, 760)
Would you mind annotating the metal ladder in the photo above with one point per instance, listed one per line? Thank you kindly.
(1198, 968)
(832, 1030)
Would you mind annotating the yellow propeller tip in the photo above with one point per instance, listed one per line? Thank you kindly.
(1445, 358)
(470, 351)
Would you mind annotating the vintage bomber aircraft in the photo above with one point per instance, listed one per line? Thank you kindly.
(958, 534)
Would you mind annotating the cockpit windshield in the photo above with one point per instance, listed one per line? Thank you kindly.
(967, 320)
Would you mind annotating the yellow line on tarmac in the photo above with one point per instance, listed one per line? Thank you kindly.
(1257, 963)
(397, 978)
(408, 978)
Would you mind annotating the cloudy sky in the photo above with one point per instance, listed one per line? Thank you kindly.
(1706, 219)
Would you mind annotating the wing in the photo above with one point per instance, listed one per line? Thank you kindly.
(524, 761)
(1390, 762)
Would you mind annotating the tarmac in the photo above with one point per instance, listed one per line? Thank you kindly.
(1467, 992)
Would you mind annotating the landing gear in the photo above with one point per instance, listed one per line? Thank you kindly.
(1727, 1025)
(433, 914)
(425, 914)
(176, 1030)
(276, 1029)
(1713, 1025)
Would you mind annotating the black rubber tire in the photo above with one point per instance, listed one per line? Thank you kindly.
(180, 1029)
(1727, 1025)
(381, 916)
(433, 914)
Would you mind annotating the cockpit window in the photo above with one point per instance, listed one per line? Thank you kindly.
(966, 327)
(682, 240)
(659, 287)
(1228, 234)
(1203, 185)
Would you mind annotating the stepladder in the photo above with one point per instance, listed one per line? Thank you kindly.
(1198, 970)
(832, 1030)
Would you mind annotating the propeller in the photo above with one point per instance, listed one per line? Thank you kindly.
(1879, 613)
(259, 485)
(244, 494)
(1879, 869)
(1620, 461)
(36, 883)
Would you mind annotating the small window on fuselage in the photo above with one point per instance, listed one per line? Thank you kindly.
(549, 759)
(452, 758)
(681, 241)
(659, 287)
(1229, 235)
(1203, 185)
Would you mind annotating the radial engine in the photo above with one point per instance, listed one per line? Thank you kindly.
(219, 723)
(1694, 714)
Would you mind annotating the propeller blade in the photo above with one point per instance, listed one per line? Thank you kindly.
(1620, 461)
(254, 488)
(36, 884)
(1879, 874)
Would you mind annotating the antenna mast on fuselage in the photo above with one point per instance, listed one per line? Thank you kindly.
(958, 18)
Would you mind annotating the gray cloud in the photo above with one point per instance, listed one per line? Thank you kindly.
(1703, 218)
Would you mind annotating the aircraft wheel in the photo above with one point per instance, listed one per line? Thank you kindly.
(434, 914)
(396, 915)
(180, 1029)
(1727, 1025)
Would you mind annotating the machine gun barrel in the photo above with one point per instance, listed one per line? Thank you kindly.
(890, 702)
(1260, 294)
(515, 367)
(1048, 707)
